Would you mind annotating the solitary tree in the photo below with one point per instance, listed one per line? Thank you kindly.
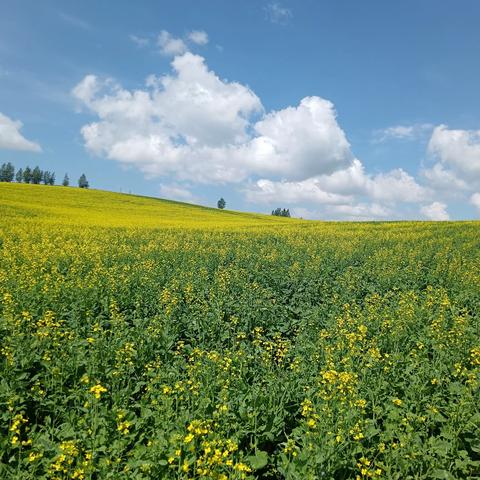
(19, 176)
(27, 175)
(83, 182)
(66, 181)
(7, 172)
(221, 203)
(37, 175)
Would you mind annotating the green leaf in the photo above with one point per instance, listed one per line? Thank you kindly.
(259, 460)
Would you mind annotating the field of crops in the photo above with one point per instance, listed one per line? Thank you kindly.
(144, 339)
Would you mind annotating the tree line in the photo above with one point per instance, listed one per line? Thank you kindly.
(281, 212)
(35, 176)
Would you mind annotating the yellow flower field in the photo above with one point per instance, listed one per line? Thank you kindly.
(147, 339)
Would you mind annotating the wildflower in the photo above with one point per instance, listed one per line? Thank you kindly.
(97, 390)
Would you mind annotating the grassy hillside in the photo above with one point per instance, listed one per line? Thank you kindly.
(96, 207)
(145, 339)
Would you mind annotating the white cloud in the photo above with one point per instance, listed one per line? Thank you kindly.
(402, 132)
(306, 191)
(12, 139)
(201, 128)
(435, 211)
(475, 200)
(361, 211)
(169, 45)
(139, 41)
(459, 149)
(300, 142)
(192, 126)
(443, 180)
(396, 185)
(199, 37)
(177, 192)
(276, 13)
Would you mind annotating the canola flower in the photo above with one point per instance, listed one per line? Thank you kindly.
(150, 339)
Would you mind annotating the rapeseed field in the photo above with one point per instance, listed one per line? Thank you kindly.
(146, 339)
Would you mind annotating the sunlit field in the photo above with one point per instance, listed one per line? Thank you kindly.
(146, 339)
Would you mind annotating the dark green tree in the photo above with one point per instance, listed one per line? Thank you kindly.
(82, 181)
(221, 203)
(7, 172)
(27, 175)
(66, 181)
(37, 175)
(48, 178)
(281, 212)
(19, 176)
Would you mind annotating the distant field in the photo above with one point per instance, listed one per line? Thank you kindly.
(148, 339)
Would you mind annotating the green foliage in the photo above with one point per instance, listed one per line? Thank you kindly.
(27, 175)
(19, 176)
(82, 181)
(7, 172)
(66, 181)
(48, 178)
(281, 212)
(221, 203)
(37, 175)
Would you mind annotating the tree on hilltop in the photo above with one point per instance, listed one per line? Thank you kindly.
(66, 181)
(37, 175)
(281, 212)
(48, 178)
(27, 175)
(83, 182)
(221, 204)
(19, 176)
(7, 172)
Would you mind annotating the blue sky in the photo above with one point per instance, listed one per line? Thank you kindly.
(334, 109)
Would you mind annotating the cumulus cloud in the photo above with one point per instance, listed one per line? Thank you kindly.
(199, 37)
(12, 139)
(192, 126)
(458, 149)
(444, 180)
(169, 45)
(435, 211)
(202, 128)
(402, 132)
(362, 211)
(177, 192)
(344, 186)
(276, 13)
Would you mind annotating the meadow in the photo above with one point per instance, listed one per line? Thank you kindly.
(146, 339)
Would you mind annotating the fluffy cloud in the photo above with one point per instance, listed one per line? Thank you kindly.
(177, 192)
(341, 187)
(202, 128)
(435, 211)
(12, 139)
(192, 126)
(198, 36)
(458, 149)
(443, 180)
(170, 45)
